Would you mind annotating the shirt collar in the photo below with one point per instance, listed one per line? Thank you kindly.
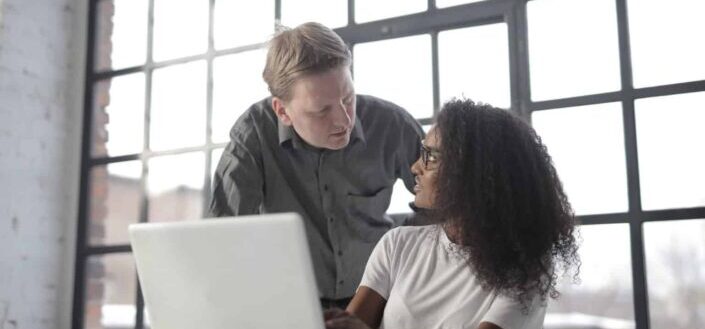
(287, 134)
(358, 133)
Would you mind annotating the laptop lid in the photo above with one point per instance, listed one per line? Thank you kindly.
(237, 272)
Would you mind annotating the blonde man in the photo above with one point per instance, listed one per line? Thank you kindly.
(316, 148)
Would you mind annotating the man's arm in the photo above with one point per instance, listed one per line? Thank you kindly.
(237, 183)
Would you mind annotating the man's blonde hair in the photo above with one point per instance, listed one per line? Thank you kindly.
(309, 48)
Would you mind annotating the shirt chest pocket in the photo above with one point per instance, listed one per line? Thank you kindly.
(366, 214)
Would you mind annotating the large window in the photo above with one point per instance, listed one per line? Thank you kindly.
(615, 88)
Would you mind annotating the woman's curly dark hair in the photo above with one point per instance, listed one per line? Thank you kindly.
(497, 184)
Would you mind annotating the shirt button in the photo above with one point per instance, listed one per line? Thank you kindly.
(340, 252)
(330, 219)
(340, 282)
(325, 187)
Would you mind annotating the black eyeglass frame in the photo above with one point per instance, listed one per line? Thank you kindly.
(429, 155)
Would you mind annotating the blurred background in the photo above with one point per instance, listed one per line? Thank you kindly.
(116, 112)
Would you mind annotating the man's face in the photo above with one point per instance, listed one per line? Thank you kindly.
(321, 109)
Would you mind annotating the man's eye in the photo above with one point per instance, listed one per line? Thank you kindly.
(432, 158)
(321, 113)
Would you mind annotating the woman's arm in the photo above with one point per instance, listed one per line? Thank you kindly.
(488, 325)
(368, 306)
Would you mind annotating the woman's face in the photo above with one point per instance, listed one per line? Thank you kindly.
(426, 170)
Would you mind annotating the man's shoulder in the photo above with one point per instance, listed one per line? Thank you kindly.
(368, 103)
(260, 110)
(254, 119)
(373, 109)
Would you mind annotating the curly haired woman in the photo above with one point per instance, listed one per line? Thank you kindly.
(504, 230)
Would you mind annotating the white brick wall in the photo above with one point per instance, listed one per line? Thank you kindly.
(42, 46)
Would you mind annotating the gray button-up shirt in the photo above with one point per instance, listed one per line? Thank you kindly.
(342, 195)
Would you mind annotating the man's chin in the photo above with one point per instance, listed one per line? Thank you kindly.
(338, 143)
(338, 146)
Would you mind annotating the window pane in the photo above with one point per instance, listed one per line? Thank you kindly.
(114, 202)
(570, 53)
(118, 116)
(675, 263)
(238, 23)
(237, 84)
(404, 80)
(449, 3)
(215, 158)
(110, 292)
(121, 39)
(372, 10)
(400, 199)
(666, 41)
(604, 297)
(331, 13)
(671, 145)
(180, 28)
(479, 75)
(178, 114)
(176, 187)
(587, 147)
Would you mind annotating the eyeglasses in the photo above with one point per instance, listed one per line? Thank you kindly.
(429, 157)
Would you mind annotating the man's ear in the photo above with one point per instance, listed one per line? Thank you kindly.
(280, 110)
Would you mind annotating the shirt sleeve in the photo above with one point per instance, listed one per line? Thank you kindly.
(237, 182)
(509, 313)
(378, 272)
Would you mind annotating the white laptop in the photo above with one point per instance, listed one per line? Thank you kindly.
(249, 272)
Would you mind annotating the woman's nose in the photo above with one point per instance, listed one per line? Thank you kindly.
(416, 167)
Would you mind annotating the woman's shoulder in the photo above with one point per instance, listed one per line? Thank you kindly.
(411, 234)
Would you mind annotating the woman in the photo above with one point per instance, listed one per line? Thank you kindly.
(505, 229)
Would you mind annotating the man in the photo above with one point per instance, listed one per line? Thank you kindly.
(316, 148)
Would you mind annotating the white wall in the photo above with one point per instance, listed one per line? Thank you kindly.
(42, 46)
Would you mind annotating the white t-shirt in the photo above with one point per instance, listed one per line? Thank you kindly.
(428, 284)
